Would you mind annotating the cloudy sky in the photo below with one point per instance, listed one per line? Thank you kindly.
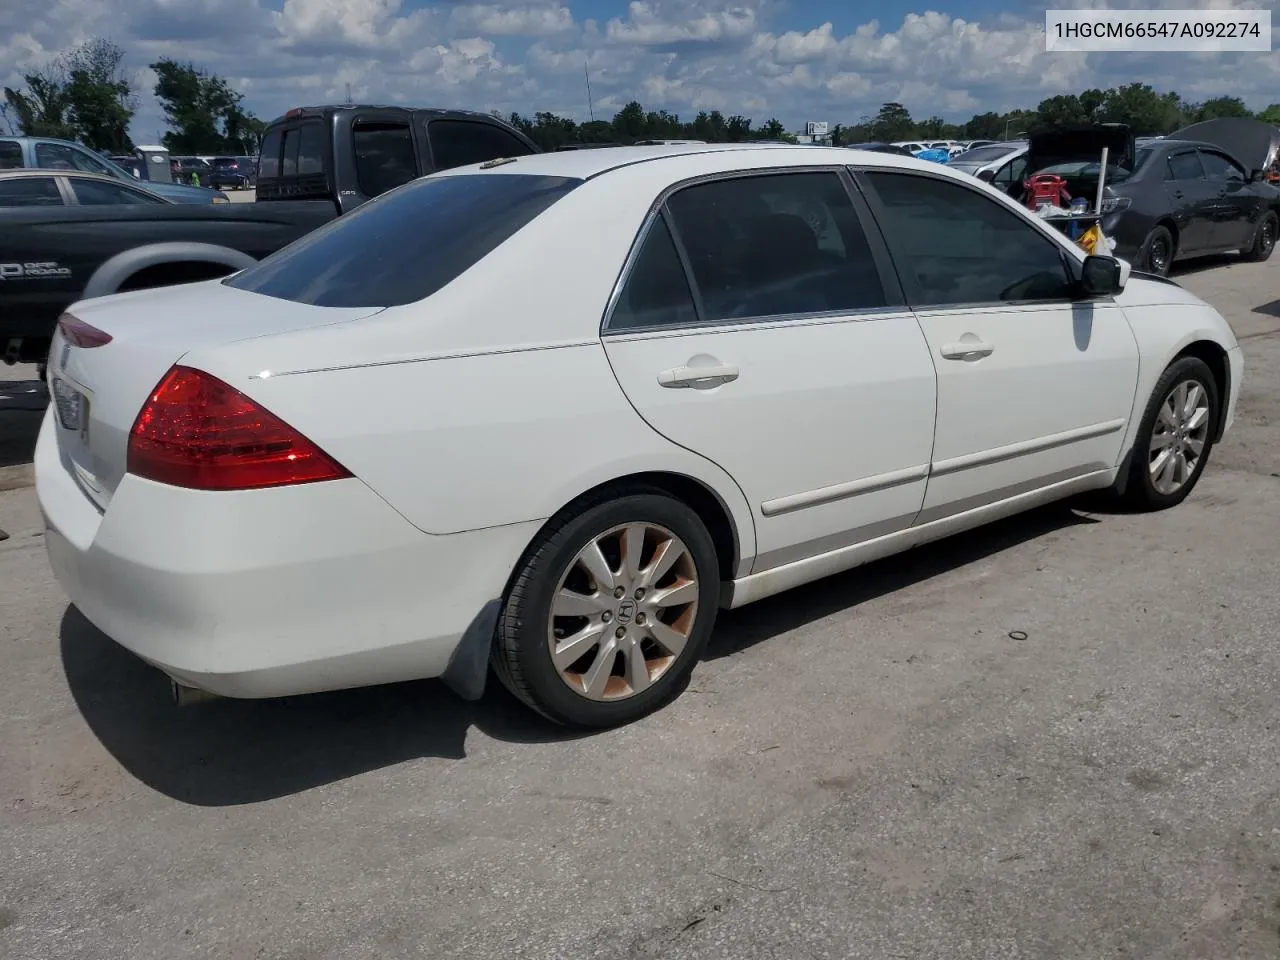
(797, 60)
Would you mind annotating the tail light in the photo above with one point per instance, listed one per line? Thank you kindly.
(80, 334)
(196, 431)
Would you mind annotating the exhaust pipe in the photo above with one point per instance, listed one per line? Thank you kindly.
(185, 696)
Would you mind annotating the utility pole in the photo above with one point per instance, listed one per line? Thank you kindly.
(590, 107)
(348, 93)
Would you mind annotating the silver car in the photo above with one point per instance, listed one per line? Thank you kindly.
(1000, 164)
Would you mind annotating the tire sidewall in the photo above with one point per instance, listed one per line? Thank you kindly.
(1256, 252)
(1185, 368)
(1146, 251)
(525, 627)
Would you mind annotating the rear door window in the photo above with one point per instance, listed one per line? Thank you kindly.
(456, 143)
(269, 164)
(30, 192)
(1185, 166)
(405, 246)
(384, 156)
(98, 193)
(775, 245)
(11, 155)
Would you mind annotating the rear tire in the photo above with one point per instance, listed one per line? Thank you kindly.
(1175, 436)
(1157, 252)
(610, 610)
(1264, 239)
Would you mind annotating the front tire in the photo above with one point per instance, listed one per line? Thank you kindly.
(609, 611)
(1264, 239)
(1158, 251)
(1175, 436)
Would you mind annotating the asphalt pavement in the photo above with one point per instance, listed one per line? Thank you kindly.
(1052, 738)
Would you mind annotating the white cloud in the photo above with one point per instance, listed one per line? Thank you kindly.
(760, 58)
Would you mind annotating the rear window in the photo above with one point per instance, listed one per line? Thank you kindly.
(10, 155)
(270, 163)
(404, 246)
(983, 154)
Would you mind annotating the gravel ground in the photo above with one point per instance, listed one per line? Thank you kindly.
(868, 767)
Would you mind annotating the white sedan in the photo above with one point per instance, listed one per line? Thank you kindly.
(549, 414)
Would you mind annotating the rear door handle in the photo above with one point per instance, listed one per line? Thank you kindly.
(702, 378)
(1178, 194)
(966, 350)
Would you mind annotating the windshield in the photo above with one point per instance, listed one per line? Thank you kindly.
(984, 154)
(405, 245)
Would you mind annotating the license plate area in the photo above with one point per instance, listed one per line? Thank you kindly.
(72, 405)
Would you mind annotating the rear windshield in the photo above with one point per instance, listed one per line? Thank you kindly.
(984, 154)
(404, 245)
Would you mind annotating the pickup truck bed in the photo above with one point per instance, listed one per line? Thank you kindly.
(52, 256)
(317, 163)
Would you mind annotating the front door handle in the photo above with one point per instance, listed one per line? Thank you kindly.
(966, 350)
(701, 378)
(1178, 194)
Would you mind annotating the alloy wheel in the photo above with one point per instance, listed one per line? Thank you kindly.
(623, 611)
(1268, 239)
(1159, 255)
(1179, 436)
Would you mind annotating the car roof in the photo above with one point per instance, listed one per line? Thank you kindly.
(28, 172)
(589, 164)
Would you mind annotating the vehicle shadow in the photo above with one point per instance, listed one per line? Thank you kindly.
(230, 752)
(22, 404)
(1194, 265)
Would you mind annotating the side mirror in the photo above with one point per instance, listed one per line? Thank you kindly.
(1257, 176)
(986, 175)
(1101, 276)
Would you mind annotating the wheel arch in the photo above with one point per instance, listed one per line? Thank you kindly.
(1215, 358)
(112, 275)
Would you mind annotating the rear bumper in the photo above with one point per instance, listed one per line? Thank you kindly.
(268, 593)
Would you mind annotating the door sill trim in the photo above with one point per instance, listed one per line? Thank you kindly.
(842, 491)
(1024, 447)
(757, 586)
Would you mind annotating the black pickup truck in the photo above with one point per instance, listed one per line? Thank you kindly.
(316, 163)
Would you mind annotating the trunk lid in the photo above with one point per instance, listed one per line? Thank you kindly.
(97, 392)
(1081, 144)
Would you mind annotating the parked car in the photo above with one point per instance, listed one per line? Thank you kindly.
(420, 406)
(56, 188)
(1001, 164)
(191, 170)
(48, 154)
(879, 147)
(230, 173)
(1169, 199)
(351, 154)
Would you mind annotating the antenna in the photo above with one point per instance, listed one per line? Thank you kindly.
(590, 108)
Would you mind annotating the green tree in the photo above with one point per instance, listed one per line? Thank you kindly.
(1064, 110)
(737, 128)
(202, 109)
(1271, 115)
(893, 122)
(1139, 106)
(771, 129)
(1220, 107)
(99, 96)
(42, 109)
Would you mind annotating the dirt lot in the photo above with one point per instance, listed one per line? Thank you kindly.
(870, 767)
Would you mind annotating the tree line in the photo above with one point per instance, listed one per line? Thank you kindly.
(84, 95)
(1140, 106)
